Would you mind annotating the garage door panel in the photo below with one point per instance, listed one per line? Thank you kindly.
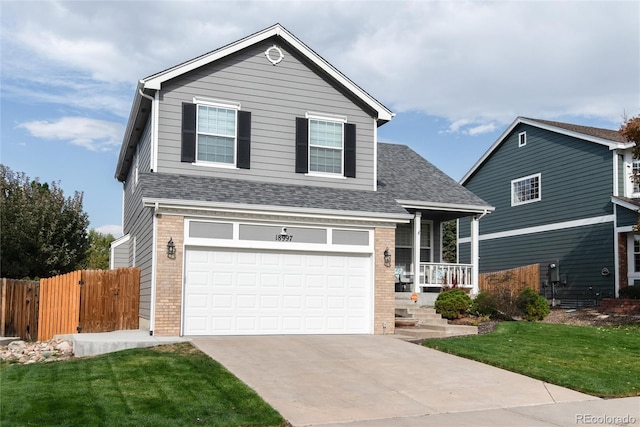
(247, 293)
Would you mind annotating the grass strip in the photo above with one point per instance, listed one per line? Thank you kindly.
(601, 361)
(173, 385)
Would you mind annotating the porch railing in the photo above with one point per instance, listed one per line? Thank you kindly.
(438, 275)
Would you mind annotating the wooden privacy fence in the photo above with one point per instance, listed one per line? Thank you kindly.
(513, 280)
(81, 301)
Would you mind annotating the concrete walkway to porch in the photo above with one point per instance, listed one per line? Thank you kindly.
(93, 344)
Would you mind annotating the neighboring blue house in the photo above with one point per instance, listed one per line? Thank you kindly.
(257, 199)
(564, 198)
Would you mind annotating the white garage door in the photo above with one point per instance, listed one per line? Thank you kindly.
(259, 293)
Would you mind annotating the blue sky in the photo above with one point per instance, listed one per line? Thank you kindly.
(456, 73)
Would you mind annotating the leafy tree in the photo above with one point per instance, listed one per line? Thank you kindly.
(42, 233)
(449, 241)
(631, 130)
(98, 253)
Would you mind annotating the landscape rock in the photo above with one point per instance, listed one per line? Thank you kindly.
(36, 352)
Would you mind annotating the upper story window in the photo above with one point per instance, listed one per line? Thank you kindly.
(216, 133)
(526, 190)
(325, 145)
(522, 139)
(635, 174)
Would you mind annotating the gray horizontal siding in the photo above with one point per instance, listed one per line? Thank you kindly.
(275, 96)
(577, 180)
(581, 251)
(138, 223)
(121, 255)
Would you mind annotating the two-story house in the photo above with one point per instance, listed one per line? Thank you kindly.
(257, 199)
(564, 199)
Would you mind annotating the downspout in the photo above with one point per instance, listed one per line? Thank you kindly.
(154, 260)
(151, 149)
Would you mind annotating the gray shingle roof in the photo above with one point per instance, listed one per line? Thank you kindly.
(408, 176)
(609, 134)
(222, 190)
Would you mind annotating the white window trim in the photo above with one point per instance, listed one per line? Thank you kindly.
(324, 117)
(218, 103)
(522, 139)
(513, 181)
(631, 273)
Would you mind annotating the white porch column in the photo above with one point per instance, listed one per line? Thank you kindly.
(417, 220)
(475, 249)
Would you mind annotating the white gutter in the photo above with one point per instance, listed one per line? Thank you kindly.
(415, 204)
(280, 210)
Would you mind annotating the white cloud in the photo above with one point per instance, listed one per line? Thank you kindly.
(115, 230)
(92, 134)
(475, 64)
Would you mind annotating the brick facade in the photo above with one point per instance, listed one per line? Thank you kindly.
(623, 269)
(168, 277)
(384, 303)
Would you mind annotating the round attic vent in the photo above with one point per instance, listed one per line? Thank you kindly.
(274, 54)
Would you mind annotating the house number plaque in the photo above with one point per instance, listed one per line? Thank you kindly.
(283, 236)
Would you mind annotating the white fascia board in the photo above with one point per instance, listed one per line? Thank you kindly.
(279, 210)
(155, 81)
(612, 145)
(624, 204)
(120, 240)
(415, 204)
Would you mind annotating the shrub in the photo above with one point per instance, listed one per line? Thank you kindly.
(484, 304)
(451, 304)
(532, 305)
(630, 292)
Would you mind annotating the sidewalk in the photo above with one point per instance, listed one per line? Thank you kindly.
(613, 412)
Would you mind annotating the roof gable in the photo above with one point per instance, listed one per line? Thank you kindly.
(155, 81)
(607, 137)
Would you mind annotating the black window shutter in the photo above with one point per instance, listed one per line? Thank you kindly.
(302, 145)
(188, 152)
(350, 150)
(244, 140)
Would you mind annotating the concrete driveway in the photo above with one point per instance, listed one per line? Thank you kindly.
(314, 380)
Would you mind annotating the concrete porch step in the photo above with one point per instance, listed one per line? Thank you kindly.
(436, 331)
(412, 334)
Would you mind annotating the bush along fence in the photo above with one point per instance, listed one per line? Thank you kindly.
(81, 301)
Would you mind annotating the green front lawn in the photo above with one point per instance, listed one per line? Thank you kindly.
(175, 385)
(601, 361)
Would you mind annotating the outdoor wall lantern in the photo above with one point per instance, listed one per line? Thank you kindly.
(387, 257)
(171, 248)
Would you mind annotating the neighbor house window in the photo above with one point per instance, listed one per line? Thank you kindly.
(326, 145)
(216, 139)
(525, 190)
(522, 139)
(635, 172)
(636, 254)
